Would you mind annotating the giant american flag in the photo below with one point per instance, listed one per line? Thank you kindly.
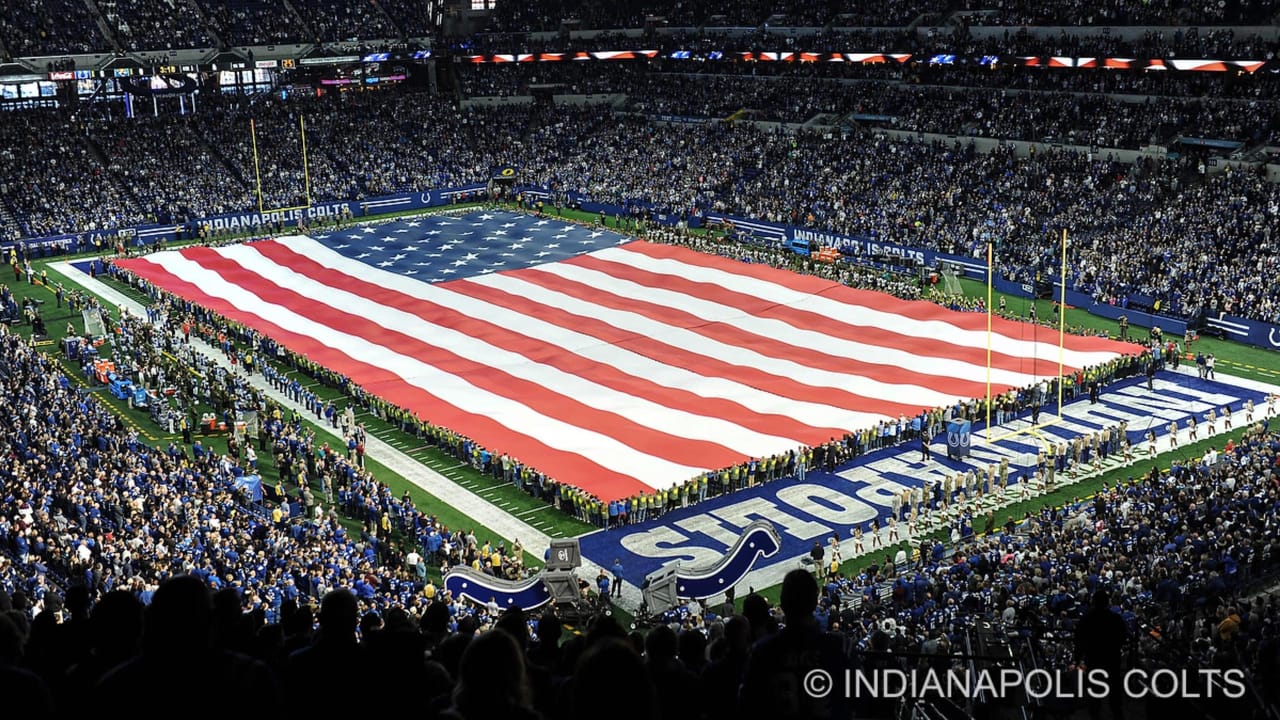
(614, 365)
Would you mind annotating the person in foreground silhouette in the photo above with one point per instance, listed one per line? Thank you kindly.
(1100, 641)
(774, 685)
(179, 664)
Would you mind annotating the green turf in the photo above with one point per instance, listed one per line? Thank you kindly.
(1232, 357)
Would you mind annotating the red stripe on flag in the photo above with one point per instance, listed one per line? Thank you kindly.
(563, 465)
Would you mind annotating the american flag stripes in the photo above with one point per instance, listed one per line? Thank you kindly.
(610, 365)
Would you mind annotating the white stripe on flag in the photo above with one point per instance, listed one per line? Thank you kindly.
(639, 409)
(604, 450)
(853, 314)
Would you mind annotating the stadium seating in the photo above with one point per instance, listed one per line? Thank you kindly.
(253, 22)
(97, 523)
(48, 27)
(156, 25)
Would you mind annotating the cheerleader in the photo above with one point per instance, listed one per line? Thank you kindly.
(1248, 411)
(1271, 405)
(1173, 435)
(1191, 428)
(893, 530)
(1127, 448)
(858, 548)
(1151, 443)
(836, 558)
(875, 534)
(1226, 418)
(1212, 418)
(911, 522)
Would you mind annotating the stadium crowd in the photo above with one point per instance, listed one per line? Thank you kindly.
(126, 568)
(48, 27)
(251, 23)
(133, 571)
(947, 197)
(152, 25)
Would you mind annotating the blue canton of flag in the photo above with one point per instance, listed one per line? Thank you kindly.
(439, 248)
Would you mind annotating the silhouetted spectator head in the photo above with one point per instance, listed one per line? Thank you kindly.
(660, 644)
(799, 595)
(179, 619)
(491, 678)
(693, 649)
(515, 624)
(549, 628)
(339, 614)
(756, 610)
(11, 641)
(78, 601)
(435, 619)
(117, 623)
(596, 678)
(603, 626)
(398, 620)
(370, 623)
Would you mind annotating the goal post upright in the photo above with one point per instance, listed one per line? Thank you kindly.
(990, 283)
(1062, 320)
(306, 166)
(1031, 430)
(257, 169)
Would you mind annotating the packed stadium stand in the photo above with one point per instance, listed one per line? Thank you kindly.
(139, 570)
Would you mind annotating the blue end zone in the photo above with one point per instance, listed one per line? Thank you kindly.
(864, 489)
